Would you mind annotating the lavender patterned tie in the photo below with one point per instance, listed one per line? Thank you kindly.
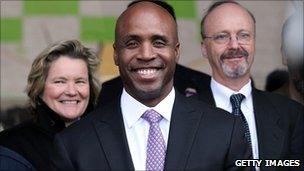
(156, 147)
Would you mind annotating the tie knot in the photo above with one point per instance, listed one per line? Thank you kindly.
(152, 116)
(236, 100)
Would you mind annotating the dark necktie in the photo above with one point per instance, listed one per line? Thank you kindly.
(156, 147)
(236, 100)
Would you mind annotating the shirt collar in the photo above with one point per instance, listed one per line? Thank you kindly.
(133, 109)
(222, 94)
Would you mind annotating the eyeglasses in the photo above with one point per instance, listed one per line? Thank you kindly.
(224, 38)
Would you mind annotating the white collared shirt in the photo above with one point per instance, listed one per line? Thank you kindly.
(137, 129)
(222, 95)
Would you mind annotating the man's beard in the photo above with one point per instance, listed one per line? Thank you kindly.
(242, 67)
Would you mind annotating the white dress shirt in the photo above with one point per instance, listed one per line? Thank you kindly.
(137, 129)
(222, 95)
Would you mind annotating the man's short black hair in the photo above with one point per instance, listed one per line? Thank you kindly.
(160, 3)
(215, 5)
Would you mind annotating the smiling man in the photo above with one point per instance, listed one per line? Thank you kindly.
(146, 50)
(151, 126)
(229, 44)
(273, 124)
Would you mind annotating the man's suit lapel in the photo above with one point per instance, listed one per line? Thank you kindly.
(184, 124)
(111, 133)
(270, 136)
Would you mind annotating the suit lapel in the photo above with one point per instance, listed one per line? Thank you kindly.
(111, 133)
(183, 127)
(270, 136)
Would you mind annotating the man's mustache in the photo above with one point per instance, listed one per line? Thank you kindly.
(234, 54)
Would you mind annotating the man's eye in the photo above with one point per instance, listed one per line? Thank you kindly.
(244, 35)
(132, 44)
(221, 37)
(159, 43)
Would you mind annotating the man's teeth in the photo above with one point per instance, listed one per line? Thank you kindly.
(146, 71)
(69, 101)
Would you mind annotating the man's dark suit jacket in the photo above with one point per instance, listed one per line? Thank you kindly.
(10, 160)
(200, 137)
(279, 123)
(184, 78)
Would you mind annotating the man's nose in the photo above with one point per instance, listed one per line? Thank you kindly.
(147, 52)
(233, 42)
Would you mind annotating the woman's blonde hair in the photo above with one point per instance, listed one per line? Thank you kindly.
(41, 65)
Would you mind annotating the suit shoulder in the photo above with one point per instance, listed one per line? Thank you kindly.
(13, 160)
(215, 119)
(277, 100)
(284, 107)
(82, 127)
(184, 71)
(114, 81)
(209, 110)
(110, 90)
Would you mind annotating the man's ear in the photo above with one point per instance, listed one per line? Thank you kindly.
(115, 56)
(203, 49)
(177, 52)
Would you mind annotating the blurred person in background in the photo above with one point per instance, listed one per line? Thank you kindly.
(62, 87)
(14, 115)
(276, 79)
(292, 53)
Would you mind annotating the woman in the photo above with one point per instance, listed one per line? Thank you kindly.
(62, 87)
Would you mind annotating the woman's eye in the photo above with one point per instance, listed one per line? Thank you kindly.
(59, 82)
(80, 82)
